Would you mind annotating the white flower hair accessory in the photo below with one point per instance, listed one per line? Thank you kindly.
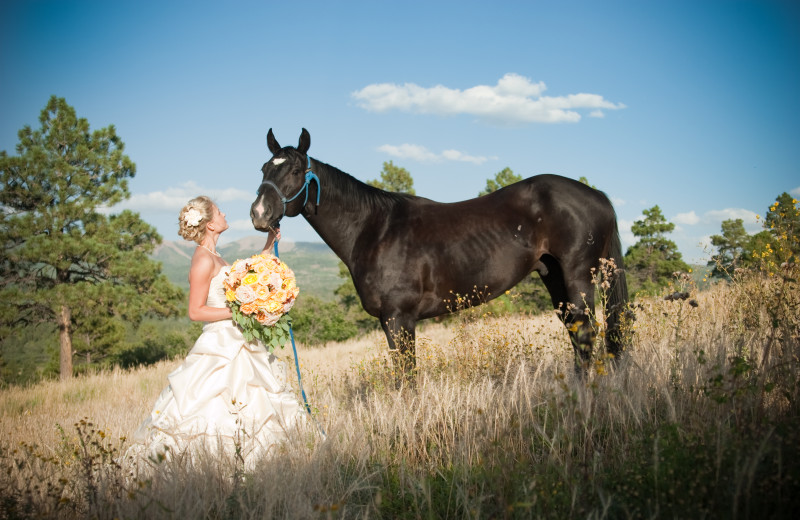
(192, 217)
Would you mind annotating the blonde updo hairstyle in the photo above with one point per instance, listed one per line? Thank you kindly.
(194, 217)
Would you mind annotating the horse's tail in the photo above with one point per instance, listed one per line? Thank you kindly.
(617, 302)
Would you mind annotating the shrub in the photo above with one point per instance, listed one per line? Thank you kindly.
(316, 322)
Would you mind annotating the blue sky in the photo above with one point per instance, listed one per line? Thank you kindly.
(691, 105)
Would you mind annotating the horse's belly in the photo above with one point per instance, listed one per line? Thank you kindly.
(473, 285)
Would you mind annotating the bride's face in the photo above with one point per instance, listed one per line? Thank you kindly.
(218, 222)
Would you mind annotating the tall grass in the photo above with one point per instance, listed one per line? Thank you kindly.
(699, 419)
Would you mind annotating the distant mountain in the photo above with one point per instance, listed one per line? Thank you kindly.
(314, 264)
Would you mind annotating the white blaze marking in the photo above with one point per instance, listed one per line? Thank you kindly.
(278, 161)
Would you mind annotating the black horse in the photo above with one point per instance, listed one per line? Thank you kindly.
(410, 256)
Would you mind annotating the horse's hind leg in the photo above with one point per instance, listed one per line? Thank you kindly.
(572, 296)
(578, 320)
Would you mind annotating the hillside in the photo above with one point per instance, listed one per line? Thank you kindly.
(315, 265)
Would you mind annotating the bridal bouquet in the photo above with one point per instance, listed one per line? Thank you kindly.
(260, 290)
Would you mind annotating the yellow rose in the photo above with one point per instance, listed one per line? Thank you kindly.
(250, 279)
(230, 295)
(274, 306)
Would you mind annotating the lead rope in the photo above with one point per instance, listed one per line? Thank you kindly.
(297, 366)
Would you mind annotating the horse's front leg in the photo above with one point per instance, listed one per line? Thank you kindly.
(400, 333)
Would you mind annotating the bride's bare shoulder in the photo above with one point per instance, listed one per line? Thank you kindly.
(203, 265)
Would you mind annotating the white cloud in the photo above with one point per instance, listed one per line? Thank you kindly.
(751, 223)
(409, 151)
(515, 99)
(716, 217)
(731, 213)
(625, 234)
(795, 192)
(422, 154)
(689, 219)
(172, 199)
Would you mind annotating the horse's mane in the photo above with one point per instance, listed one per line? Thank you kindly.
(357, 193)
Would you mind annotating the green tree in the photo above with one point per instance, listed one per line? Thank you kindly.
(97, 336)
(759, 246)
(501, 179)
(316, 322)
(59, 250)
(783, 223)
(157, 339)
(731, 247)
(778, 244)
(653, 259)
(346, 293)
(394, 178)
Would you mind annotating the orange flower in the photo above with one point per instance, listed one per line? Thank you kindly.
(249, 308)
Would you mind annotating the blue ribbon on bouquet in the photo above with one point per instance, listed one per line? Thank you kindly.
(297, 364)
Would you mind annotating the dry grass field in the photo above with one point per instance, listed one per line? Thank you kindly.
(699, 420)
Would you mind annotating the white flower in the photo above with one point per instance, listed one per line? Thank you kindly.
(245, 294)
(192, 217)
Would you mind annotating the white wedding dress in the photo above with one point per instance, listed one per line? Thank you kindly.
(229, 393)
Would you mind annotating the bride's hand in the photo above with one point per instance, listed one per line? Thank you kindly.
(272, 238)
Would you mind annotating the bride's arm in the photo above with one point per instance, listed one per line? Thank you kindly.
(200, 275)
(272, 237)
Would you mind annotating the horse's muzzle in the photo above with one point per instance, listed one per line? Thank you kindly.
(262, 224)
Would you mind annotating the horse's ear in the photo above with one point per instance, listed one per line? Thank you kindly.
(272, 143)
(305, 142)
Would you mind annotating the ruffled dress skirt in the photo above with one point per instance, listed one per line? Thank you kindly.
(229, 394)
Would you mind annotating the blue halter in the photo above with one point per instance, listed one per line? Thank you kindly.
(310, 176)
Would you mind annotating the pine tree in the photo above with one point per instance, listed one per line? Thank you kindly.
(731, 248)
(394, 178)
(654, 258)
(62, 255)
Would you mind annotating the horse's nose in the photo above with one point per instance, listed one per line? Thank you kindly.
(258, 214)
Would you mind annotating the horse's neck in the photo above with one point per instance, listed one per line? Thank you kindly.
(346, 207)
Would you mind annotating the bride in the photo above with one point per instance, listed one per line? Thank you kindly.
(229, 393)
